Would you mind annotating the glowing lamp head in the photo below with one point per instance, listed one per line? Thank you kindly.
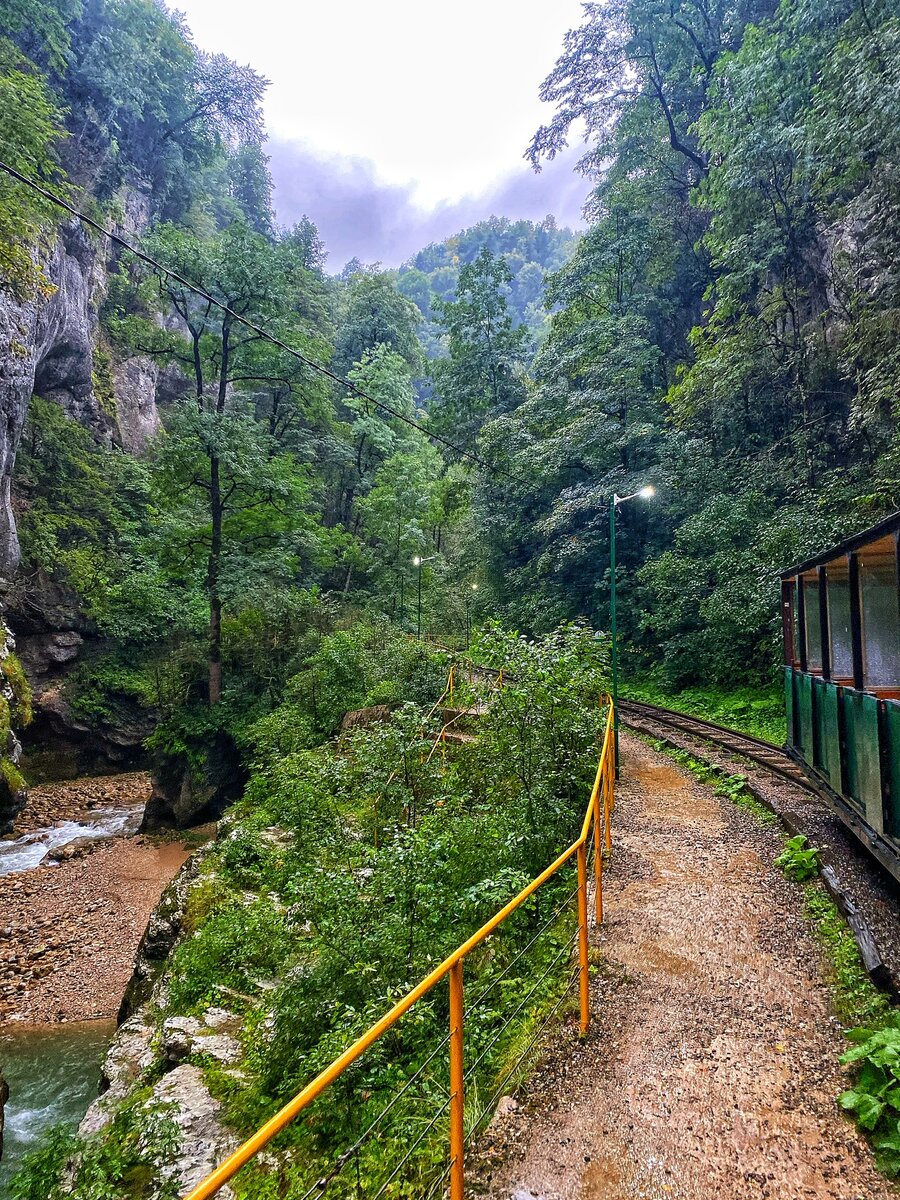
(474, 587)
(417, 562)
(648, 492)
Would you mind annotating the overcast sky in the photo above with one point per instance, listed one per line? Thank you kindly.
(397, 123)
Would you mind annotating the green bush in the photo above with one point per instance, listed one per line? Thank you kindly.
(798, 860)
(874, 1099)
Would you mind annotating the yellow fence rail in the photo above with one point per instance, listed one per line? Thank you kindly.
(597, 820)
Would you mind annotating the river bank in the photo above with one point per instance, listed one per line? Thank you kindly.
(68, 934)
(69, 930)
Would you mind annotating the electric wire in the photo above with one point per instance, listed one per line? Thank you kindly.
(251, 325)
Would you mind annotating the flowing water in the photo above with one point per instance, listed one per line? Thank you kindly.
(52, 1072)
(26, 852)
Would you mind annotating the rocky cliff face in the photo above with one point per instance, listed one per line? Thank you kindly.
(52, 346)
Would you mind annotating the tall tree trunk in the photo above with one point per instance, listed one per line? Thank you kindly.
(212, 584)
(215, 546)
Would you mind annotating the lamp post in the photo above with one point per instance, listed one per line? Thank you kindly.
(417, 563)
(472, 588)
(645, 493)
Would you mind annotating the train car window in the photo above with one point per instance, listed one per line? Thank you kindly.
(813, 628)
(795, 625)
(881, 623)
(837, 574)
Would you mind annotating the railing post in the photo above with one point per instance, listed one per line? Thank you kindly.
(598, 857)
(584, 985)
(457, 1098)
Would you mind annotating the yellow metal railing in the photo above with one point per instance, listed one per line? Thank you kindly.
(597, 820)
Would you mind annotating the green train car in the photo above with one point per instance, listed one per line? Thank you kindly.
(841, 615)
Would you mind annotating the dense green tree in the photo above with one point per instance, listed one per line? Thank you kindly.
(482, 374)
(375, 314)
(223, 450)
(30, 129)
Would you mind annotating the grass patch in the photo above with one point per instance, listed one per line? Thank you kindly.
(757, 711)
(856, 1000)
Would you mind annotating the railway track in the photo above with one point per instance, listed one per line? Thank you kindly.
(638, 715)
(867, 898)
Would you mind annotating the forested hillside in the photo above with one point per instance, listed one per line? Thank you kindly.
(530, 251)
(726, 328)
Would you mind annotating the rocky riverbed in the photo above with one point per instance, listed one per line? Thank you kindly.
(68, 934)
(69, 929)
(77, 799)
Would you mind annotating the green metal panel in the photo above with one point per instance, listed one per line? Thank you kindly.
(892, 727)
(863, 756)
(828, 738)
(803, 716)
(789, 703)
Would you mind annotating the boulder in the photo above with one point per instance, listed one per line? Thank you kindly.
(361, 718)
(203, 1141)
(183, 1037)
(129, 1055)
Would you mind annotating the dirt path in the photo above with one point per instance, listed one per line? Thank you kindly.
(712, 1071)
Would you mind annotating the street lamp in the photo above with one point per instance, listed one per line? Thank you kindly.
(417, 562)
(645, 493)
(473, 587)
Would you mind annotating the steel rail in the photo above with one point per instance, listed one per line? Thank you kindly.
(773, 758)
(601, 796)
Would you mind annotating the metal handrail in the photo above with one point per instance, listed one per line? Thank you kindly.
(599, 814)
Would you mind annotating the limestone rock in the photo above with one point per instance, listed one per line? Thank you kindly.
(134, 388)
(203, 1142)
(129, 1055)
(163, 931)
(362, 718)
(183, 1037)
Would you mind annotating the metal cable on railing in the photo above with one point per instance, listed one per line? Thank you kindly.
(595, 833)
(321, 1184)
(413, 1148)
(512, 1070)
(509, 966)
(554, 962)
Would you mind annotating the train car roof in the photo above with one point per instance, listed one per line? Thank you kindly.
(889, 525)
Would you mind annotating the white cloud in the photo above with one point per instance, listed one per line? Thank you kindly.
(442, 97)
(361, 215)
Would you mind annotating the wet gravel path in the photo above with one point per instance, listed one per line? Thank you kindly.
(711, 1070)
(873, 889)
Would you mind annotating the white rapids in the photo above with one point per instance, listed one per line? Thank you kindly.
(29, 851)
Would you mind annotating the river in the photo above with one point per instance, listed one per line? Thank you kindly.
(27, 852)
(52, 1072)
(68, 936)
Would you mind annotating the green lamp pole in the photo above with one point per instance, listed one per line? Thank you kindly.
(417, 563)
(644, 494)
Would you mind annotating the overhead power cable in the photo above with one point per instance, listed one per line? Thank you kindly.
(237, 317)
